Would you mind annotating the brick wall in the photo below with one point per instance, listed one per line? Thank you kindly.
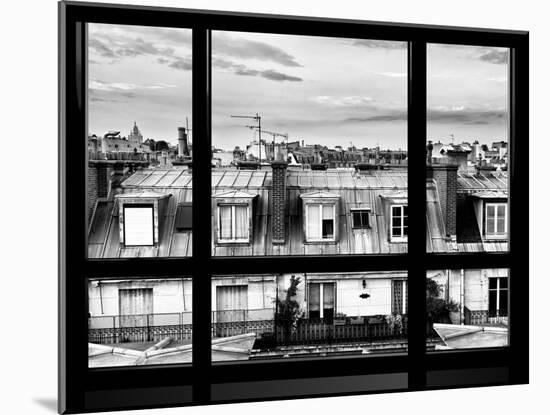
(445, 177)
(278, 190)
(99, 182)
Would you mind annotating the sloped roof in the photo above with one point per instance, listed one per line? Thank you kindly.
(492, 180)
(353, 190)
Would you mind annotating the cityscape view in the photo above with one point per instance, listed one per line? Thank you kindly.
(309, 157)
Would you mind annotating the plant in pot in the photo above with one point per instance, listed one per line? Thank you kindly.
(438, 310)
(339, 319)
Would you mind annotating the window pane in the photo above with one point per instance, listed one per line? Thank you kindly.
(139, 143)
(315, 315)
(225, 222)
(467, 132)
(293, 127)
(138, 226)
(467, 308)
(128, 318)
(313, 231)
(241, 222)
(328, 228)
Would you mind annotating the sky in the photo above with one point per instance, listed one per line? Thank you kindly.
(329, 91)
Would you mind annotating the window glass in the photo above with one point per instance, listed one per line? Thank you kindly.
(467, 149)
(138, 226)
(467, 308)
(315, 315)
(139, 141)
(129, 319)
(288, 121)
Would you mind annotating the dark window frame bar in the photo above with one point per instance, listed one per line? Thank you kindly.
(77, 383)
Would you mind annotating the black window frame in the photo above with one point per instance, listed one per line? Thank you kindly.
(82, 389)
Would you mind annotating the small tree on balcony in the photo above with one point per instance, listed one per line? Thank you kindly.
(437, 308)
(288, 310)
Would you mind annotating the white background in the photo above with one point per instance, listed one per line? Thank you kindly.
(28, 162)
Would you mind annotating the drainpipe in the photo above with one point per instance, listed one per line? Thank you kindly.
(462, 297)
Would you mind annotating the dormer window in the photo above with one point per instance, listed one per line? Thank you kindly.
(139, 216)
(496, 220)
(399, 223)
(233, 216)
(320, 216)
(320, 222)
(360, 218)
(396, 210)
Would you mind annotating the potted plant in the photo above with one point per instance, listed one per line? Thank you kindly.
(339, 319)
(357, 320)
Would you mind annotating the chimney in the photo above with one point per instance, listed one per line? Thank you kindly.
(183, 150)
(429, 149)
(445, 177)
(278, 197)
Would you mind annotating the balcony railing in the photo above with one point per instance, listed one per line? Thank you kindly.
(269, 330)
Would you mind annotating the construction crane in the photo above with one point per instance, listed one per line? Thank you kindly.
(258, 119)
(273, 133)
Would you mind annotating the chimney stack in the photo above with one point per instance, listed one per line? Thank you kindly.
(183, 150)
(278, 197)
(445, 177)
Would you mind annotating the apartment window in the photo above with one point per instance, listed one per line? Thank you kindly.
(320, 222)
(399, 223)
(233, 223)
(138, 225)
(495, 220)
(498, 297)
(321, 301)
(360, 218)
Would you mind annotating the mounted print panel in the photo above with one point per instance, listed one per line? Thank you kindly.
(139, 141)
(467, 150)
(136, 322)
(309, 148)
(311, 315)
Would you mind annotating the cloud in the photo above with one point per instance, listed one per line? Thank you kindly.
(496, 56)
(392, 74)
(379, 44)
(243, 70)
(251, 49)
(98, 85)
(101, 48)
(346, 101)
(140, 47)
(395, 115)
(118, 47)
(465, 115)
(183, 64)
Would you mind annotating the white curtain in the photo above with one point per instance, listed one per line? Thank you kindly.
(225, 222)
(490, 220)
(241, 222)
(313, 222)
